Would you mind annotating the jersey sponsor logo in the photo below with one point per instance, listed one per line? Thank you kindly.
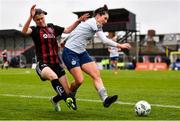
(45, 36)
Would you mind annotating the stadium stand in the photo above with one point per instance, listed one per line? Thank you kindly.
(16, 45)
(21, 48)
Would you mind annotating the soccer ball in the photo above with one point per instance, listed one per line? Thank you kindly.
(142, 108)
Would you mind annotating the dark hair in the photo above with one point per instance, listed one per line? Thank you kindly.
(102, 10)
(113, 33)
(39, 11)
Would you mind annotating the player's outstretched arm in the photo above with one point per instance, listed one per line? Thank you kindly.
(26, 29)
(110, 42)
(74, 25)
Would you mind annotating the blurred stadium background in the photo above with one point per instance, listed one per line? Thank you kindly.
(147, 49)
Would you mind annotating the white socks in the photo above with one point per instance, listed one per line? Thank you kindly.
(102, 93)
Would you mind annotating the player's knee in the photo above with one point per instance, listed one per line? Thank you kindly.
(52, 77)
(96, 76)
(79, 81)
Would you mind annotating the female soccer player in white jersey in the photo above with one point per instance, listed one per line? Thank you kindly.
(78, 60)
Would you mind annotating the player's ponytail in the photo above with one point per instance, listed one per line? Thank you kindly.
(101, 11)
(105, 7)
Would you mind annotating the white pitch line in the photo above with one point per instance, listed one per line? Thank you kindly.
(16, 73)
(89, 100)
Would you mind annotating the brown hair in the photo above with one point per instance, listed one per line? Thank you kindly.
(102, 10)
(39, 11)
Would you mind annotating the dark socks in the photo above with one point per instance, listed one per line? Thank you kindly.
(59, 89)
(57, 98)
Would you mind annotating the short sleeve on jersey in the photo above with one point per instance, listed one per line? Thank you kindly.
(58, 30)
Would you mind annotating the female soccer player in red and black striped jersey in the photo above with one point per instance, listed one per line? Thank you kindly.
(49, 65)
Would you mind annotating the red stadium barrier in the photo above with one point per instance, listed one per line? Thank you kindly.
(151, 66)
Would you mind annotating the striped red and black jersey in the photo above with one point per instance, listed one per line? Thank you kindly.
(45, 40)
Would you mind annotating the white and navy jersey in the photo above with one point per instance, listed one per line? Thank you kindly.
(113, 52)
(81, 35)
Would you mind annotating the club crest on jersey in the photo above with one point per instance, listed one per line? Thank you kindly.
(73, 62)
(50, 30)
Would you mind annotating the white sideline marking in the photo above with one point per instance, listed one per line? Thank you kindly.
(88, 100)
(16, 73)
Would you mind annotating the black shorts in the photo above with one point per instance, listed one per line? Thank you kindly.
(55, 67)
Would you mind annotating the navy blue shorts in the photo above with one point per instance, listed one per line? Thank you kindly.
(114, 58)
(72, 59)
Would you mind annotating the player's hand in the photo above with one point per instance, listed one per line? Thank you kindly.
(84, 17)
(62, 44)
(124, 46)
(32, 11)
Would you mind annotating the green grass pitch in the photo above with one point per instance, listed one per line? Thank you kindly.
(23, 96)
